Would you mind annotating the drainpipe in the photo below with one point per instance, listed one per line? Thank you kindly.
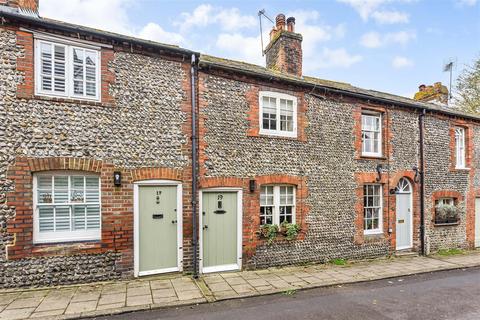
(193, 72)
(421, 123)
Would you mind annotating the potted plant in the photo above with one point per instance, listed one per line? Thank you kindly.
(289, 230)
(269, 232)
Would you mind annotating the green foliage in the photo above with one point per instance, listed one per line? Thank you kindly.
(339, 262)
(450, 252)
(270, 232)
(289, 292)
(468, 89)
(291, 230)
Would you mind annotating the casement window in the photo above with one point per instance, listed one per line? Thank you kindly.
(277, 204)
(372, 134)
(460, 148)
(67, 207)
(372, 208)
(278, 114)
(65, 70)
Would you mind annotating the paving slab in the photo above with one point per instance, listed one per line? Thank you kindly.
(14, 314)
(79, 307)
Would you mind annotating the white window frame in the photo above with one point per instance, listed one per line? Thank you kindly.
(65, 236)
(380, 140)
(277, 96)
(69, 81)
(449, 201)
(460, 148)
(276, 201)
(378, 230)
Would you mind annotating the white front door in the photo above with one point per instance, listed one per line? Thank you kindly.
(477, 222)
(404, 229)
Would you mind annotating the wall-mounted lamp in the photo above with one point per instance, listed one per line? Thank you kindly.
(394, 190)
(379, 172)
(252, 185)
(416, 178)
(117, 178)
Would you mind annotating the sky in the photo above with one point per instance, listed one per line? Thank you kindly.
(386, 45)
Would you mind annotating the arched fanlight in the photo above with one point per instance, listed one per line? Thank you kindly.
(404, 186)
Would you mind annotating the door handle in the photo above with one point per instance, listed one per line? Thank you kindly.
(205, 227)
(174, 221)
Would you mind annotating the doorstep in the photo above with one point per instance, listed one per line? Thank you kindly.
(107, 298)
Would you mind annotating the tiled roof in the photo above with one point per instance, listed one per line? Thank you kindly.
(242, 67)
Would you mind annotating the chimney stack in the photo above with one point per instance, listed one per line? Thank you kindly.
(284, 52)
(437, 94)
(24, 6)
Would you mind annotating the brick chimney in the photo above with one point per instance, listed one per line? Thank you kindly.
(437, 94)
(284, 52)
(25, 6)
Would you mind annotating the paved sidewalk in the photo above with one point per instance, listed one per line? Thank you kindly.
(156, 292)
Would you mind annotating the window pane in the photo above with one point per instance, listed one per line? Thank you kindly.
(78, 72)
(78, 87)
(46, 220)
(91, 58)
(93, 217)
(92, 185)
(78, 56)
(91, 89)
(79, 218)
(61, 189)
(62, 218)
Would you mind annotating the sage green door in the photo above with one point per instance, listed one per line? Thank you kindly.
(158, 248)
(219, 227)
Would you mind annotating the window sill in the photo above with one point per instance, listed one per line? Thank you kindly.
(446, 224)
(66, 247)
(71, 100)
(373, 233)
(366, 157)
(272, 136)
(461, 169)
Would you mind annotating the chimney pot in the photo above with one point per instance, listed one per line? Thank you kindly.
(291, 24)
(284, 52)
(280, 21)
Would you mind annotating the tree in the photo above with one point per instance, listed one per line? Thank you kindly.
(468, 89)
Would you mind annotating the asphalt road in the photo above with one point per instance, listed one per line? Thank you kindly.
(441, 295)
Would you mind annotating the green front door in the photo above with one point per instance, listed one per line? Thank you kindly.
(158, 247)
(219, 227)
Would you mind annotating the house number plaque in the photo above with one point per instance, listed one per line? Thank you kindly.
(220, 205)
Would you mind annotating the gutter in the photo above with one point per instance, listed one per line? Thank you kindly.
(10, 13)
(313, 86)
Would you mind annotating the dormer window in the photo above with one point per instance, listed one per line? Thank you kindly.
(278, 114)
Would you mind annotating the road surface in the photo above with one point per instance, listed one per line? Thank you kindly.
(433, 296)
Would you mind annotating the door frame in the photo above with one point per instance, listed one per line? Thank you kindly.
(136, 231)
(410, 246)
(238, 265)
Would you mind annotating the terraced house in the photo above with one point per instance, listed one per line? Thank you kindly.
(122, 157)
